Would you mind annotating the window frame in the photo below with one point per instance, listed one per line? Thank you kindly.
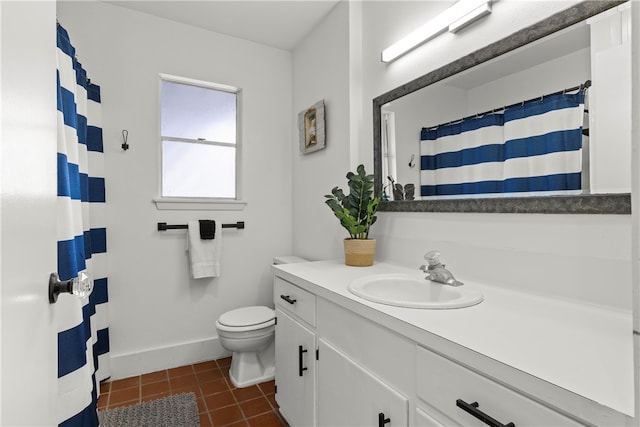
(202, 203)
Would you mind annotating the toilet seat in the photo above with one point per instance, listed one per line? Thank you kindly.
(247, 319)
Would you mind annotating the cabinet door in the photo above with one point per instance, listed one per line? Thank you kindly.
(348, 395)
(424, 419)
(295, 371)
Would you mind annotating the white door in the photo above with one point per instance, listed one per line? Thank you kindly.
(28, 339)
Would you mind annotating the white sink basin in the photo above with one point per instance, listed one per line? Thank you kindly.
(403, 290)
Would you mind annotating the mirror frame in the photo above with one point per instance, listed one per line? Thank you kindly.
(575, 204)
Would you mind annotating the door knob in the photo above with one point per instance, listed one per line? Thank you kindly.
(81, 286)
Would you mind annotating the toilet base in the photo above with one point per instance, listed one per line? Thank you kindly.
(249, 368)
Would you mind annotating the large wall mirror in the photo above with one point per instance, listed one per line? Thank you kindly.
(582, 54)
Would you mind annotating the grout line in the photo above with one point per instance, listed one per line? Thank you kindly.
(207, 410)
(168, 382)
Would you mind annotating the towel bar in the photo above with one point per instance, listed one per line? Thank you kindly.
(162, 226)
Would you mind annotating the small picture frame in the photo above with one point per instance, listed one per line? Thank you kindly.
(311, 128)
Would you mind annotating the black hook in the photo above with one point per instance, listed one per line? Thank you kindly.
(125, 136)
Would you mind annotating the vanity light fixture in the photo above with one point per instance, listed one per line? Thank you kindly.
(458, 16)
(482, 10)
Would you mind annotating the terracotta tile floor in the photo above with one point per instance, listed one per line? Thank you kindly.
(219, 402)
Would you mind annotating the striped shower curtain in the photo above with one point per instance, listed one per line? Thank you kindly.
(83, 335)
(532, 148)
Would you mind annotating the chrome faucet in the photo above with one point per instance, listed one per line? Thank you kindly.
(436, 272)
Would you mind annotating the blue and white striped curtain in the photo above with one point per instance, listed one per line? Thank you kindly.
(83, 334)
(535, 148)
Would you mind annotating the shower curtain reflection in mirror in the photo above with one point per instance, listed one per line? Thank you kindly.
(532, 148)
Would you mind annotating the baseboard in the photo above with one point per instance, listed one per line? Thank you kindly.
(156, 359)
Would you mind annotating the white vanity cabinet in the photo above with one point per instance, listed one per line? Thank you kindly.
(295, 348)
(343, 363)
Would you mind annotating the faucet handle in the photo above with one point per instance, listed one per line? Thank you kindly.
(432, 257)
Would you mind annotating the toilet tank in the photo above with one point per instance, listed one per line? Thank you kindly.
(287, 260)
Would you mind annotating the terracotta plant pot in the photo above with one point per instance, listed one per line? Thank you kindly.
(359, 252)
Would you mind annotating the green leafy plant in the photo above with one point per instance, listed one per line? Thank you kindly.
(357, 210)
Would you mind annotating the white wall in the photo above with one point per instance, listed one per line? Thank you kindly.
(321, 71)
(160, 317)
(611, 95)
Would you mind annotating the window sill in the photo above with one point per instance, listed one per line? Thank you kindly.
(182, 203)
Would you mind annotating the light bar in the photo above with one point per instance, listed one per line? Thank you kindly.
(469, 18)
(459, 15)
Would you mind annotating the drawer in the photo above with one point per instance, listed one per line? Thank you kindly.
(441, 382)
(295, 300)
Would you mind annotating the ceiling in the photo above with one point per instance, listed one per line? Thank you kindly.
(281, 24)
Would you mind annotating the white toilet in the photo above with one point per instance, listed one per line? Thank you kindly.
(249, 333)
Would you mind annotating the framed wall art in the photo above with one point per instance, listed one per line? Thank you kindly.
(311, 128)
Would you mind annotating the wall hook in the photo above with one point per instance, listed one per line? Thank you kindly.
(411, 162)
(125, 136)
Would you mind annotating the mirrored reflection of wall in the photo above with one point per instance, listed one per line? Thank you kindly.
(610, 111)
(597, 50)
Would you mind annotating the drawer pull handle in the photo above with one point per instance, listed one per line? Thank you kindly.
(382, 420)
(472, 408)
(301, 352)
(288, 299)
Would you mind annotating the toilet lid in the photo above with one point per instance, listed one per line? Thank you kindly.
(247, 316)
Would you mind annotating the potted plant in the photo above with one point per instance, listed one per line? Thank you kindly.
(357, 213)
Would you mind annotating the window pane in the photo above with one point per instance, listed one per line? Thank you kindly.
(194, 112)
(192, 169)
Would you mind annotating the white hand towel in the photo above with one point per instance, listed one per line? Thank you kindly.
(204, 255)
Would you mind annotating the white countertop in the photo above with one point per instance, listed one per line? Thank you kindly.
(585, 349)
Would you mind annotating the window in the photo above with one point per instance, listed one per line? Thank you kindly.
(199, 140)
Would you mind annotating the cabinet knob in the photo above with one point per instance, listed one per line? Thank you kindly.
(382, 420)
